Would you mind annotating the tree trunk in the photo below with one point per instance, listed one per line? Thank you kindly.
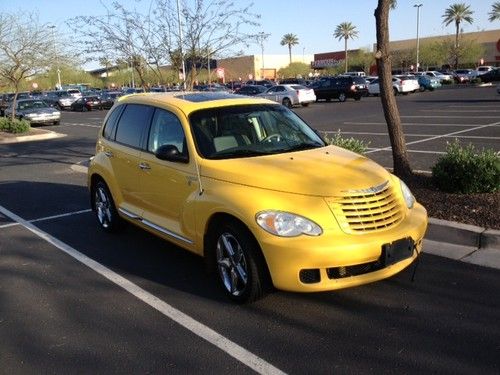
(290, 52)
(391, 112)
(457, 24)
(345, 50)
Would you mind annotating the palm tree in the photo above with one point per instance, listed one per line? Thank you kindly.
(345, 30)
(457, 13)
(289, 40)
(495, 12)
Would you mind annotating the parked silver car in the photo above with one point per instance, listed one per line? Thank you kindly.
(35, 111)
(290, 95)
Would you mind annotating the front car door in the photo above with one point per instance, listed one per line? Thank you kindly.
(169, 189)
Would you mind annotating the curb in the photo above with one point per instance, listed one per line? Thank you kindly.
(463, 234)
(463, 242)
(45, 134)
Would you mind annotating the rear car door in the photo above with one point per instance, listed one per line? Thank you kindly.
(124, 154)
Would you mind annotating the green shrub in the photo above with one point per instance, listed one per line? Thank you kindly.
(351, 144)
(14, 126)
(465, 170)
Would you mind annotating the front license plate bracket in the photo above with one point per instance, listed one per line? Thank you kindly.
(397, 250)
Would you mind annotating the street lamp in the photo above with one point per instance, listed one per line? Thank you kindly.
(261, 38)
(418, 40)
(180, 47)
(59, 86)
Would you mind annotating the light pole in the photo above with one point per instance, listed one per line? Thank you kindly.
(261, 38)
(418, 40)
(180, 46)
(59, 86)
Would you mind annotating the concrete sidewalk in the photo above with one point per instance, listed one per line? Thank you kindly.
(463, 242)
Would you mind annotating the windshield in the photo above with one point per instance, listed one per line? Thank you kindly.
(31, 104)
(250, 130)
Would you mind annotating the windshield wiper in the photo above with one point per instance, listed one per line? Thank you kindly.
(300, 147)
(239, 153)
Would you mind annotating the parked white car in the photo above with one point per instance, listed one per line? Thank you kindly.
(483, 69)
(290, 95)
(398, 86)
(409, 81)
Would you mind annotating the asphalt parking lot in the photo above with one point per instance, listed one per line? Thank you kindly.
(430, 120)
(74, 299)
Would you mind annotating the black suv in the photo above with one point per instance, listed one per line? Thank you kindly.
(340, 87)
(491, 76)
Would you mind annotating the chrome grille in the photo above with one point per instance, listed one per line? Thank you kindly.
(365, 210)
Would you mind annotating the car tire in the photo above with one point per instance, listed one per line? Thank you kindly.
(305, 104)
(342, 97)
(287, 102)
(240, 266)
(396, 92)
(57, 122)
(357, 98)
(422, 88)
(104, 207)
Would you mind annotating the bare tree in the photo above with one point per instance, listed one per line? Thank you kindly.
(152, 36)
(214, 28)
(391, 111)
(115, 34)
(26, 49)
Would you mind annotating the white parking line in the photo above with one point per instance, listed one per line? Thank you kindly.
(438, 116)
(414, 135)
(8, 225)
(59, 216)
(410, 151)
(409, 124)
(459, 110)
(438, 137)
(231, 348)
(80, 124)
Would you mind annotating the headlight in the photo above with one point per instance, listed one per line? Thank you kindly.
(407, 195)
(29, 115)
(286, 224)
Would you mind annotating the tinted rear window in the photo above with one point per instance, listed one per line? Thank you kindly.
(134, 120)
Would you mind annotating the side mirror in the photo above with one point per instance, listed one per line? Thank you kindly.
(171, 153)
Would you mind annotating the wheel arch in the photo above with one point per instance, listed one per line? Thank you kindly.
(215, 221)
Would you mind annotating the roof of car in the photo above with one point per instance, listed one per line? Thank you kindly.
(191, 101)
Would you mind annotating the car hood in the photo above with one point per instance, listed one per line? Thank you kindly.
(326, 171)
(38, 111)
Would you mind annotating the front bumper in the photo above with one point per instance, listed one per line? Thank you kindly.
(292, 261)
(43, 119)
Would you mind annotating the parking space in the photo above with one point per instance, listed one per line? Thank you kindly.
(430, 120)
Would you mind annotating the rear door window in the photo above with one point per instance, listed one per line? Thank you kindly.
(132, 125)
(110, 125)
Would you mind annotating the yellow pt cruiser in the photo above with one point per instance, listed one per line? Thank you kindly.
(247, 184)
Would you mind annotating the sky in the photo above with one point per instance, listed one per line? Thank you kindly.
(313, 22)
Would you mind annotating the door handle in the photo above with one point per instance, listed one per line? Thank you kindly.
(144, 166)
(109, 154)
